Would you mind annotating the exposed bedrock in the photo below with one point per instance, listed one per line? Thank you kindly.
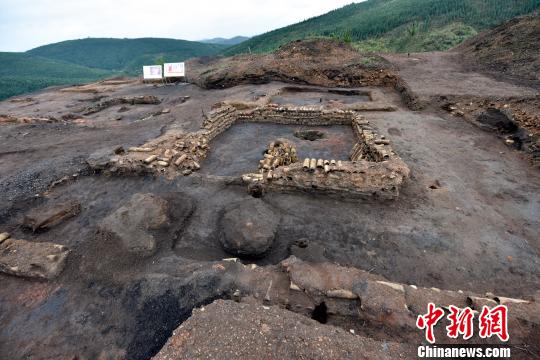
(249, 228)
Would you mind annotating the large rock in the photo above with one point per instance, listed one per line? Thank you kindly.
(47, 216)
(249, 228)
(229, 330)
(131, 222)
(30, 259)
(498, 120)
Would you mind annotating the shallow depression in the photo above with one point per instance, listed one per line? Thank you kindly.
(239, 149)
(304, 98)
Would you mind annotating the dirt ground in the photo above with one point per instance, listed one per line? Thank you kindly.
(468, 218)
(511, 49)
(443, 73)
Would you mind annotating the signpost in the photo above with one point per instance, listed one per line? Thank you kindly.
(152, 72)
(174, 69)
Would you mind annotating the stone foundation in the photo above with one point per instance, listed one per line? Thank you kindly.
(373, 169)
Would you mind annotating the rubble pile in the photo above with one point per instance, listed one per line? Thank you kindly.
(108, 85)
(279, 153)
(7, 119)
(516, 120)
(170, 154)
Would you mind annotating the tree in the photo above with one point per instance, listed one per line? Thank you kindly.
(413, 29)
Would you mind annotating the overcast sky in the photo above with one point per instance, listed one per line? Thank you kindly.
(25, 24)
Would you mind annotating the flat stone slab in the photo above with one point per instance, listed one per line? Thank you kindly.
(31, 259)
(47, 216)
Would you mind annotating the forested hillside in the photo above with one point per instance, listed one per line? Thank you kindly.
(80, 61)
(397, 25)
(223, 41)
(22, 73)
(124, 54)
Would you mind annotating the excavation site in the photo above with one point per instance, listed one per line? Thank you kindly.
(308, 203)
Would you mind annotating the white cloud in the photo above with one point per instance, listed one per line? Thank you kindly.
(25, 24)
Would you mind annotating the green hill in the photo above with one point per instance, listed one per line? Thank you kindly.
(396, 25)
(21, 73)
(86, 60)
(126, 55)
(223, 41)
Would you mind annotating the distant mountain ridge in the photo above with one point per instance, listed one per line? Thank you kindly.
(124, 55)
(224, 41)
(396, 25)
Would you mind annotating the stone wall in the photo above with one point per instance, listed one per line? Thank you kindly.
(301, 115)
(373, 170)
(220, 120)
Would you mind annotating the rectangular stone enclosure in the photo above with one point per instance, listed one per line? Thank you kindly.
(370, 168)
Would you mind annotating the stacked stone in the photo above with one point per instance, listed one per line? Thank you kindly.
(186, 152)
(313, 165)
(189, 151)
(279, 153)
(219, 120)
(363, 179)
(298, 116)
(370, 147)
(381, 174)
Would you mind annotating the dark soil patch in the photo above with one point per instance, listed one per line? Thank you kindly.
(310, 135)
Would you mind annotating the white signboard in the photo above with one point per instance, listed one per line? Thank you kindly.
(174, 69)
(152, 72)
